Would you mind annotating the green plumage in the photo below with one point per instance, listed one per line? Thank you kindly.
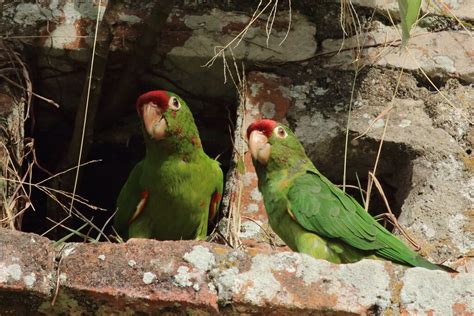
(315, 217)
(180, 180)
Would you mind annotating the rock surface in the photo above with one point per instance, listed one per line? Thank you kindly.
(197, 277)
(425, 167)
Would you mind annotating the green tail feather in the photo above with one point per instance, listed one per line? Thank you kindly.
(422, 262)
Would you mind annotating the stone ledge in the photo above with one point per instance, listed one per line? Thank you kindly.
(189, 276)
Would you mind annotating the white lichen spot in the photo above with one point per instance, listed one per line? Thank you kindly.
(268, 110)
(320, 91)
(62, 36)
(132, 263)
(445, 62)
(29, 280)
(365, 283)
(299, 92)
(28, 14)
(300, 104)
(196, 287)
(377, 124)
(212, 288)
(315, 128)
(248, 178)
(183, 277)
(263, 284)
(339, 107)
(250, 229)
(148, 277)
(12, 271)
(256, 195)
(62, 277)
(359, 103)
(404, 123)
(201, 258)
(251, 208)
(428, 231)
(255, 88)
(287, 261)
(369, 279)
(436, 291)
(225, 282)
(130, 19)
(101, 257)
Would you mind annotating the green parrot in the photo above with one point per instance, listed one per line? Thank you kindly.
(176, 189)
(312, 215)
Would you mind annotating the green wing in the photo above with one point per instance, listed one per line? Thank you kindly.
(127, 201)
(319, 206)
(217, 182)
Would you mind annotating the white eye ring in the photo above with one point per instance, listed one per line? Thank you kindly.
(280, 132)
(174, 103)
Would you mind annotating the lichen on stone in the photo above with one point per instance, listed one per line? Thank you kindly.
(201, 258)
(148, 277)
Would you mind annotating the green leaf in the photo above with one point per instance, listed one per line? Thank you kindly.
(409, 10)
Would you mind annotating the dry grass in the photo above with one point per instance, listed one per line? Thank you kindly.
(18, 171)
(266, 11)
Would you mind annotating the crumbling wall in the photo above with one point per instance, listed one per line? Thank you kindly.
(307, 82)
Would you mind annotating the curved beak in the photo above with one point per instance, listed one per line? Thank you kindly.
(155, 123)
(259, 147)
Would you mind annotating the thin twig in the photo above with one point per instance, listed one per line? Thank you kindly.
(81, 146)
(390, 216)
(33, 93)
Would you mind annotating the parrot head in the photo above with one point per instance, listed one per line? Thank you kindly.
(273, 145)
(165, 115)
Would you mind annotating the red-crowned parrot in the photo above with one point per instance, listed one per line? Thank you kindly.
(176, 189)
(310, 213)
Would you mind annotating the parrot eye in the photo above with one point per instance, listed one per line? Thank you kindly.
(174, 103)
(280, 132)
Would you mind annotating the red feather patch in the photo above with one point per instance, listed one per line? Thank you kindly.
(140, 206)
(216, 197)
(159, 97)
(265, 126)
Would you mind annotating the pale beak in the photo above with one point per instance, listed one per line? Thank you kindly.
(155, 123)
(259, 147)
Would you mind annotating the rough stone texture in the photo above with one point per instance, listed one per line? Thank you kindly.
(462, 9)
(442, 54)
(188, 41)
(431, 290)
(27, 274)
(188, 277)
(193, 40)
(426, 166)
(424, 162)
(148, 276)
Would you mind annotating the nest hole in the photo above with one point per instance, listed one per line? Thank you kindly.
(118, 144)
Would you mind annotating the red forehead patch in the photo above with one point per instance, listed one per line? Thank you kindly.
(265, 126)
(159, 97)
